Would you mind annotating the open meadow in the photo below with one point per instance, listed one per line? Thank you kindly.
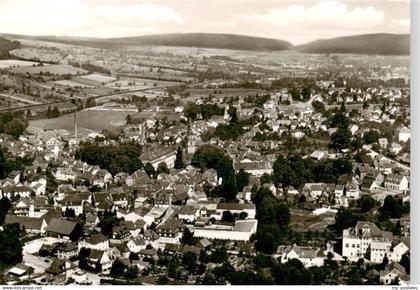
(88, 119)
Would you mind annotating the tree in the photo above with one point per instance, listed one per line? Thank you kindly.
(114, 158)
(162, 280)
(189, 261)
(11, 245)
(341, 138)
(149, 169)
(228, 216)
(90, 102)
(219, 255)
(131, 272)
(392, 208)
(318, 106)
(295, 94)
(69, 212)
(128, 119)
(268, 238)
(366, 203)
(371, 137)
(134, 256)
(5, 205)
(283, 215)
(162, 168)
(291, 273)
(242, 179)
(385, 262)
(179, 161)
(15, 128)
(345, 219)
(2, 164)
(306, 94)
(243, 215)
(282, 173)
(405, 262)
(77, 233)
(228, 189)
(265, 178)
(117, 269)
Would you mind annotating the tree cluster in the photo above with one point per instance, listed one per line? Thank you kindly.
(114, 158)
(12, 124)
(296, 171)
(209, 156)
(11, 244)
(273, 220)
(206, 111)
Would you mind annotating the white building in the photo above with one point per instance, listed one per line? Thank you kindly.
(392, 272)
(396, 182)
(404, 134)
(241, 231)
(366, 238)
(309, 256)
(95, 242)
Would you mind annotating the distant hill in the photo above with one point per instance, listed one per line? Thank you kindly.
(380, 43)
(6, 46)
(203, 40)
(383, 44)
(207, 40)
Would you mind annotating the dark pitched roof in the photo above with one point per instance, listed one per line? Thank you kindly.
(95, 255)
(96, 239)
(30, 223)
(57, 266)
(51, 214)
(67, 247)
(60, 226)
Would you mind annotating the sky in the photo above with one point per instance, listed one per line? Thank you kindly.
(295, 21)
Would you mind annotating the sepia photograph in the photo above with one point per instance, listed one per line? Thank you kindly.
(205, 142)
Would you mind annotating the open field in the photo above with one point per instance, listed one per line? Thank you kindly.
(70, 83)
(303, 220)
(88, 119)
(8, 63)
(54, 69)
(98, 78)
(140, 83)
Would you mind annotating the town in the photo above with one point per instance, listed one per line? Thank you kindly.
(179, 165)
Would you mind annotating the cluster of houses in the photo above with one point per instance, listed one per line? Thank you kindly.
(152, 214)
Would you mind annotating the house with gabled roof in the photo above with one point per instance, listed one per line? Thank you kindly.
(67, 250)
(58, 271)
(404, 134)
(95, 241)
(74, 202)
(309, 256)
(156, 154)
(16, 190)
(136, 244)
(368, 184)
(32, 225)
(396, 182)
(99, 260)
(119, 251)
(398, 249)
(393, 272)
(65, 229)
(170, 232)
